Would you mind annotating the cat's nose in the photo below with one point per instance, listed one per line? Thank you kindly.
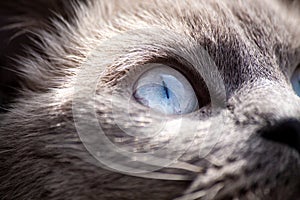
(286, 132)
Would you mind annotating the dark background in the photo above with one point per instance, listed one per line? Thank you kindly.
(13, 41)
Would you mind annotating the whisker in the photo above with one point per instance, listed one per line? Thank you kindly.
(192, 196)
(186, 166)
(165, 176)
(200, 194)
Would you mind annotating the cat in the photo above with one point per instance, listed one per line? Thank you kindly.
(241, 143)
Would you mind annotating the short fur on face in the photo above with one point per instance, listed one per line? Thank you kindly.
(254, 44)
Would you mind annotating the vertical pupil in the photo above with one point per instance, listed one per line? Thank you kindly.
(166, 89)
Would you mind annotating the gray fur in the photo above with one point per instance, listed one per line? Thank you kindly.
(255, 45)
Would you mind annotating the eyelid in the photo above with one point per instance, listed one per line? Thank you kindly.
(293, 70)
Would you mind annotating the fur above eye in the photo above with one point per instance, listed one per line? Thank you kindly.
(165, 90)
(296, 81)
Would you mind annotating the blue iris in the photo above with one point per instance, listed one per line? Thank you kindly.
(158, 97)
(165, 90)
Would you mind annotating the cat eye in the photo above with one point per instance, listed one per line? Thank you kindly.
(296, 81)
(166, 90)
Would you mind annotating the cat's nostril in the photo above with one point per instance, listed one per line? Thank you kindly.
(285, 132)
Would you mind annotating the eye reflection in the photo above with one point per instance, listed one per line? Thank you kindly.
(165, 90)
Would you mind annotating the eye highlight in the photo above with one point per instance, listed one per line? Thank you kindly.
(165, 90)
(296, 81)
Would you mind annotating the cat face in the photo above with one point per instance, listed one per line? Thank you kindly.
(240, 141)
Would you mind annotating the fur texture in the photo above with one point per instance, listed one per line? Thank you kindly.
(255, 45)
